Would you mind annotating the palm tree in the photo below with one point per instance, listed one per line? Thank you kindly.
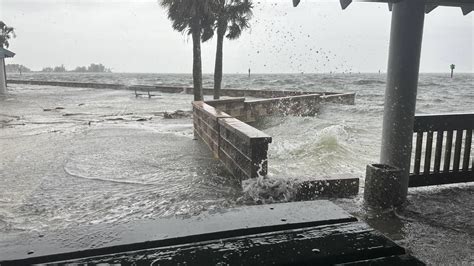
(5, 34)
(196, 19)
(232, 16)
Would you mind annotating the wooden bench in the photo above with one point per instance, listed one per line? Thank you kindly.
(448, 165)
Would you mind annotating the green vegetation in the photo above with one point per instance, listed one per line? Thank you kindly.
(95, 68)
(195, 18)
(200, 18)
(12, 68)
(6, 33)
(92, 68)
(231, 16)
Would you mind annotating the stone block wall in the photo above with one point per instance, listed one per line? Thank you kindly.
(235, 107)
(301, 105)
(339, 98)
(249, 111)
(241, 148)
(206, 125)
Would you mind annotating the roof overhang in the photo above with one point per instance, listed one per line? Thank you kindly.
(467, 6)
(4, 53)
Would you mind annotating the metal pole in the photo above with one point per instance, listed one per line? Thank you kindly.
(400, 94)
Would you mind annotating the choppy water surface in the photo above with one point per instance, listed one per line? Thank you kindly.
(74, 156)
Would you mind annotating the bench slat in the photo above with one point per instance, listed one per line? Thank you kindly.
(467, 150)
(429, 147)
(457, 150)
(419, 143)
(447, 151)
(438, 151)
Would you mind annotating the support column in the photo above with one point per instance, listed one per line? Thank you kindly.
(400, 94)
(3, 87)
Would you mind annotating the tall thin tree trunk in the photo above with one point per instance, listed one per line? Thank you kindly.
(218, 65)
(197, 65)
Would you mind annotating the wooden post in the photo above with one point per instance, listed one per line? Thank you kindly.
(3, 77)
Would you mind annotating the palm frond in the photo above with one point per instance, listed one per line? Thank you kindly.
(5, 34)
(187, 15)
(238, 15)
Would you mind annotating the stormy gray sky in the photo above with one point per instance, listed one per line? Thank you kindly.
(317, 36)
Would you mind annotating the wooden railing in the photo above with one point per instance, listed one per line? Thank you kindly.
(447, 160)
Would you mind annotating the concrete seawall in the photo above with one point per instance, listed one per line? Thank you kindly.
(300, 105)
(243, 149)
(187, 90)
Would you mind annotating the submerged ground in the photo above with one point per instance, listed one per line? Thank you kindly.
(75, 156)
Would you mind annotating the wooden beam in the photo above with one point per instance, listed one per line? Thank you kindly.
(440, 178)
(424, 123)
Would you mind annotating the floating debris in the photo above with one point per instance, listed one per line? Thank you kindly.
(177, 114)
(143, 119)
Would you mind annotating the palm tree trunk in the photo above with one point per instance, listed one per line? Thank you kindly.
(218, 65)
(197, 64)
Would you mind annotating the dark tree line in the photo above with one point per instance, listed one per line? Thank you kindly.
(92, 68)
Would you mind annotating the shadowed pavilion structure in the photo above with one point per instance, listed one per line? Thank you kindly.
(4, 53)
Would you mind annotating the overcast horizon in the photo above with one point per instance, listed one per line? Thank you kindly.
(316, 37)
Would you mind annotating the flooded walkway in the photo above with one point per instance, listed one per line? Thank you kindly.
(85, 156)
